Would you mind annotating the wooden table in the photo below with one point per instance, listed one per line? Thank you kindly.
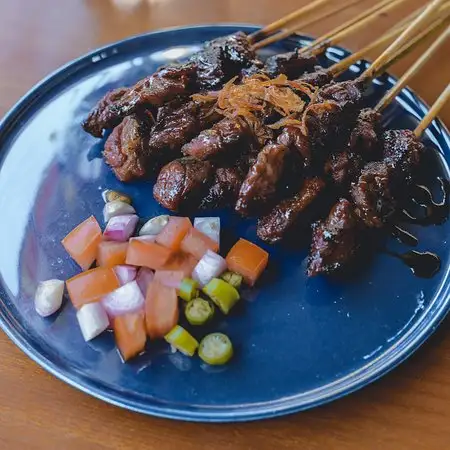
(408, 409)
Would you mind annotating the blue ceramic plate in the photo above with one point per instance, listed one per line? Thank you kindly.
(299, 342)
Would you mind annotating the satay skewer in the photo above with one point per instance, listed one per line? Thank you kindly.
(433, 112)
(351, 26)
(280, 23)
(401, 83)
(299, 26)
(427, 15)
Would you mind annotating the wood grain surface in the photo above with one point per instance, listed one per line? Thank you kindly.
(408, 409)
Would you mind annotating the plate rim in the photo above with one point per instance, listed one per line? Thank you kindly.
(384, 363)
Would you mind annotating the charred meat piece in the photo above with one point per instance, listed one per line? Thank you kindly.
(225, 188)
(402, 151)
(335, 241)
(366, 137)
(222, 138)
(256, 67)
(319, 78)
(372, 194)
(291, 64)
(100, 117)
(126, 149)
(155, 90)
(260, 184)
(182, 183)
(331, 117)
(292, 212)
(294, 138)
(176, 125)
(344, 167)
(222, 59)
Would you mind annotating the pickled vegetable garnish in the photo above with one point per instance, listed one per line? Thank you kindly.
(233, 278)
(222, 294)
(215, 349)
(188, 289)
(182, 340)
(199, 311)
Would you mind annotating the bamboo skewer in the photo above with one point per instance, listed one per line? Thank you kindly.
(280, 23)
(401, 83)
(407, 34)
(291, 30)
(343, 65)
(433, 112)
(354, 24)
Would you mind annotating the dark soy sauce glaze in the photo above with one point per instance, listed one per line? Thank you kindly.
(423, 264)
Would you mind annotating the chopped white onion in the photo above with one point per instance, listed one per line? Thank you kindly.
(210, 266)
(116, 208)
(144, 278)
(154, 226)
(120, 228)
(209, 226)
(93, 320)
(125, 273)
(48, 298)
(126, 299)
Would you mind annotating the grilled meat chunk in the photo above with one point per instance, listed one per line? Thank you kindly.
(222, 59)
(176, 125)
(331, 117)
(100, 117)
(291, 64)
(295, 212)
(126, 149)
(372, 195)
(335, 241)
(366, 136)
(294, 138)
(319, 78)
(260, 185)
(402, 151)
(182, 183)
(344, 167)
(222, 138)
(225, 188)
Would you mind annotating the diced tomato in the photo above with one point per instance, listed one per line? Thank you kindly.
(144, 252)
(91, 286)
(174, 232)
(161, 310)
(170, 278)
(130, 335)
(248, 260)
(111, 253)
(83, 241)
(181, 262)
(197, 244)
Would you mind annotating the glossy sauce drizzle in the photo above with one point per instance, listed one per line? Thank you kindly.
(435, 213)
(422, 264)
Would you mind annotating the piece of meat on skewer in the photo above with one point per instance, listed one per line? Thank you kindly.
(319, 78)
(176, 124)
(126, 149)
(182, 183)
(222, 59)
(336, 241)
(260, 185)
(343, 167)
(380, 185)
(99, 118)
(366, 136)
(225, 188)
(224, 137)
(294, 138)
(292, 64)
(292, 213)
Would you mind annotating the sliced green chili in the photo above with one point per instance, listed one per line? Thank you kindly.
(188, 289)
(222, 294)
(182, 340)
(199, 311)
(215, 349)
(233, 278)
